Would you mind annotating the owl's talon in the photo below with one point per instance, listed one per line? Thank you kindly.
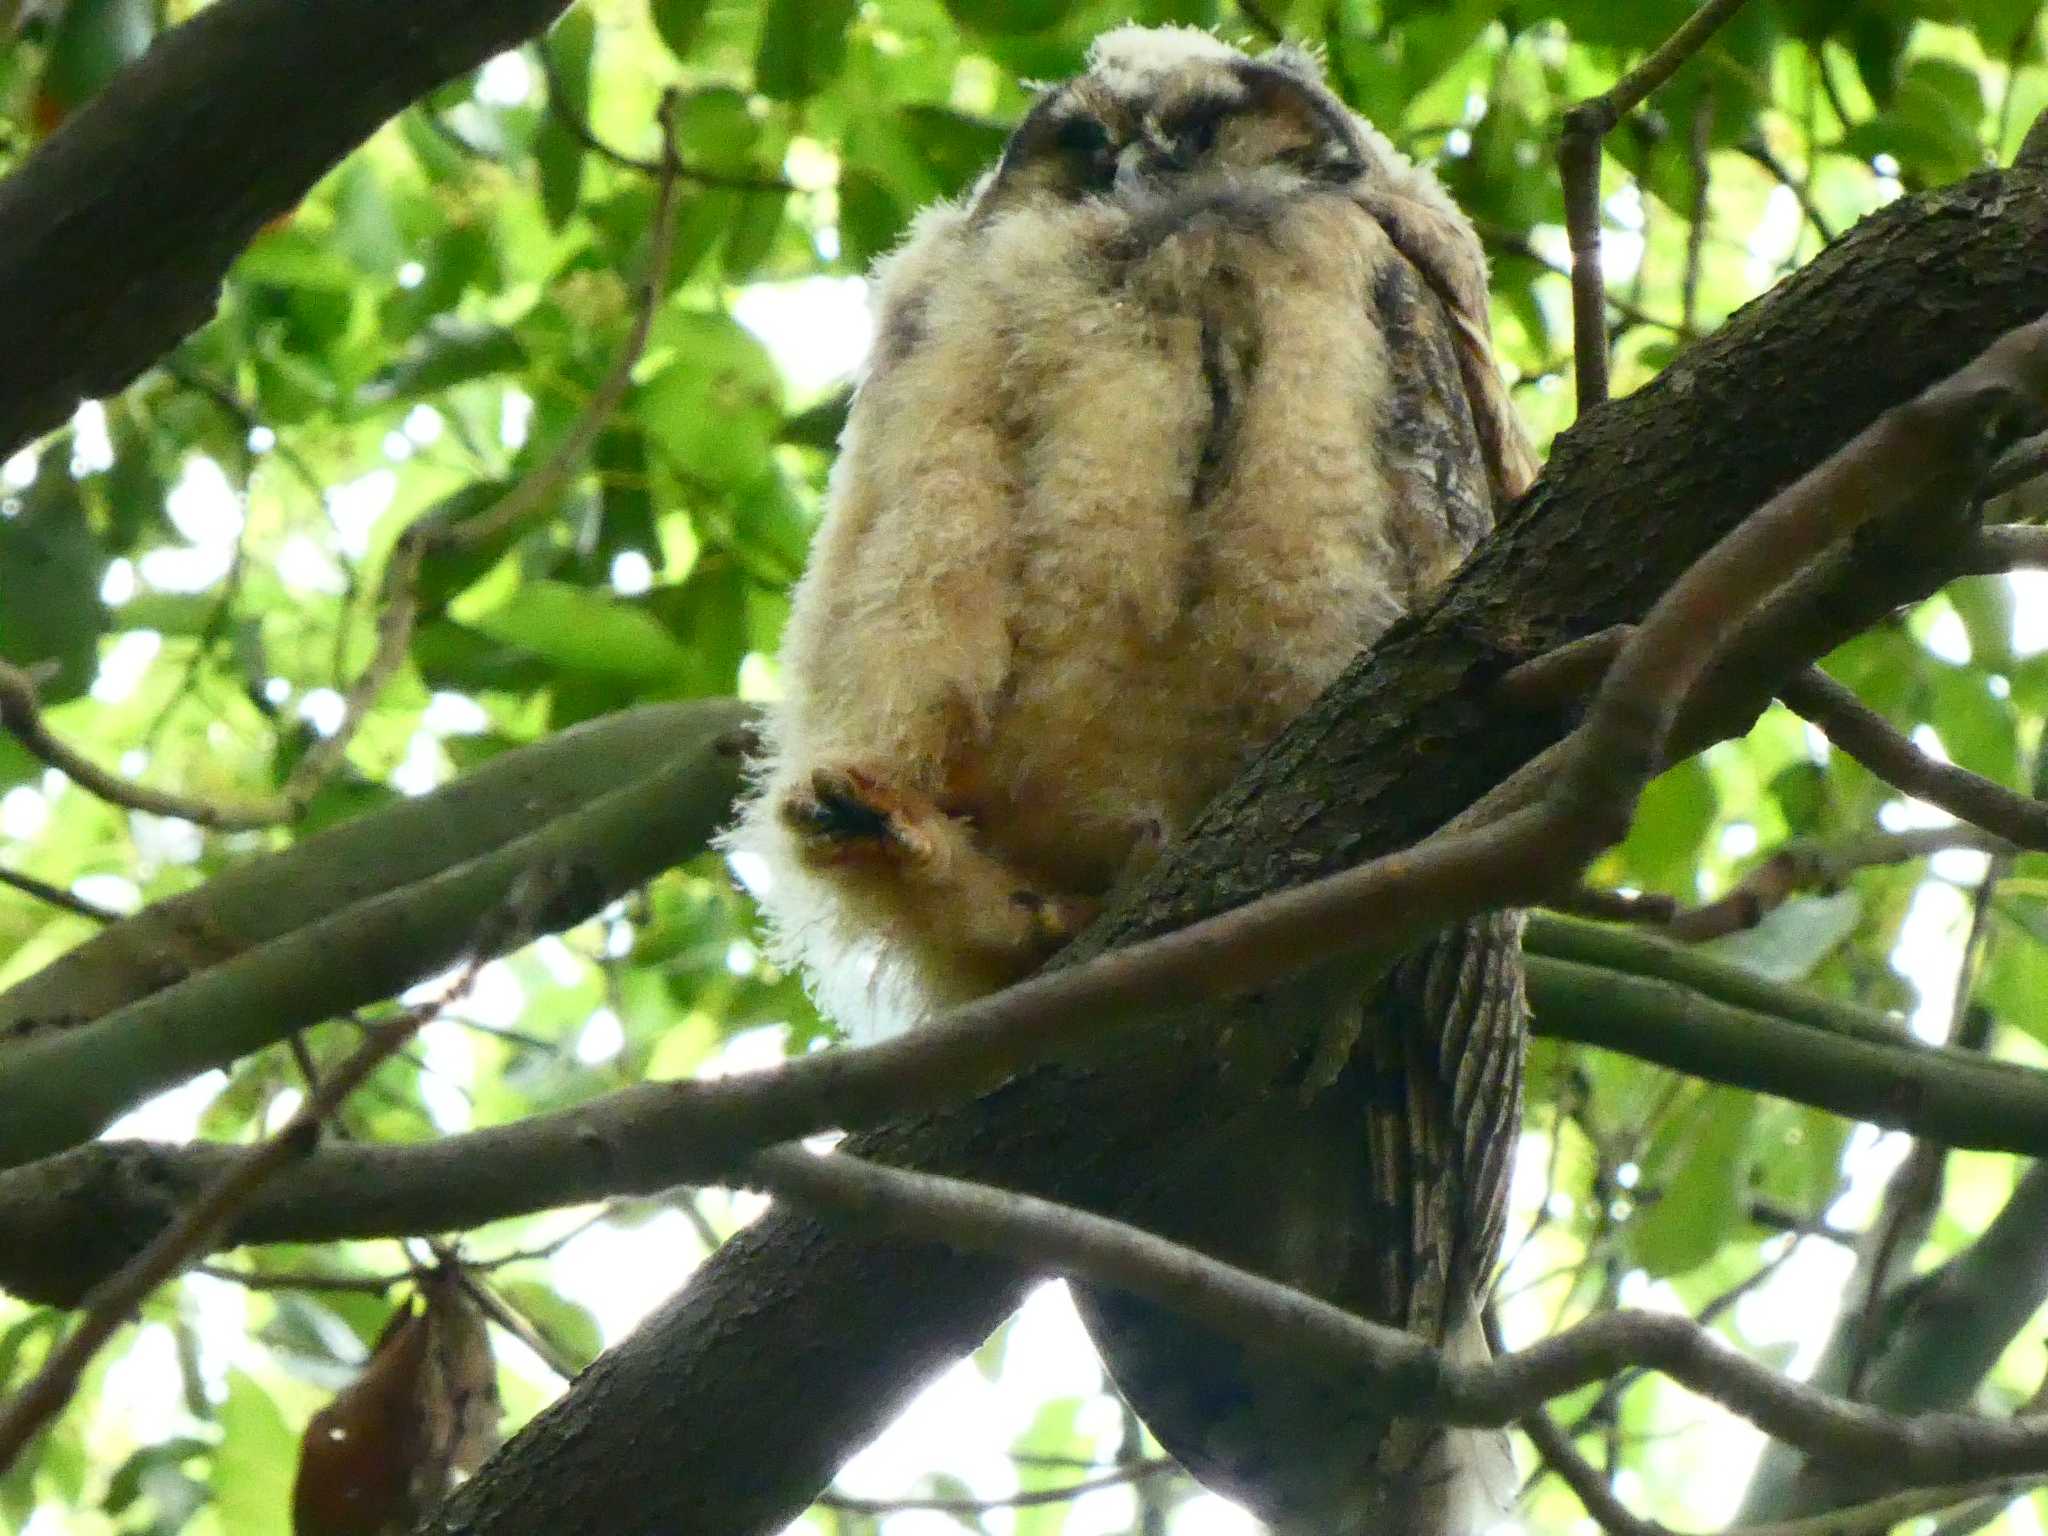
(844, 816)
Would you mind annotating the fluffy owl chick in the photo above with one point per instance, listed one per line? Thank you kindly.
(1172, 415)
(1177, 411)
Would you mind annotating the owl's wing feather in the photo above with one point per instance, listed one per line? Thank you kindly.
(1443, 250)
(1383, 1194)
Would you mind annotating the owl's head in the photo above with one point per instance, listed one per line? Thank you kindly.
(1166, 107)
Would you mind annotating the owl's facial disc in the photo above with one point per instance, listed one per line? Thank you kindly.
(1135, 134)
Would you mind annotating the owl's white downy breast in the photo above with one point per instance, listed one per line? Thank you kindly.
(1155, 438)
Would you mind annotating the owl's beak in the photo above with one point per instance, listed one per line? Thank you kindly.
(1147, 158)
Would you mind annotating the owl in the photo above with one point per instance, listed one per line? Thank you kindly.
(1186, 402)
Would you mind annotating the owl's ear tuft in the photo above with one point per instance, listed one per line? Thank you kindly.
(1298, 59)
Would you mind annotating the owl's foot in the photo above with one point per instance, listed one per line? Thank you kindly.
(847, 817)
(956, 895)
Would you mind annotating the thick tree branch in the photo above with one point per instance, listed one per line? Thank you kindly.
(121, 226)
(261, 899)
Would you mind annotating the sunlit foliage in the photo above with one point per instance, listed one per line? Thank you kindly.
(193, 569)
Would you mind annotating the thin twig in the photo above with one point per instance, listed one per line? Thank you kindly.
(1928, 1450)
(1760, 152)
(1030, 1498)
(579, 129)
(400, 587)
(520, 1326)
(1870, 1519)
(1578, 161)
(1507, 242)
(1809, 864)
(116, 1300)
(1873, 741)
(57, 896)
(252, 1280)
(1644, 908)
(1699, 153)
(21, 714)
(2006, 547)
(2023, 461)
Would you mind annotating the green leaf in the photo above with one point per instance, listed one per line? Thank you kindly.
(252, 1470)
(803, 46)
(1793, 939)
(93, 41)
(1999, 24)
(1929, 126)
(589, 631)
(751, 235)
(557, 150)
(1701, 1200)
(1877, 42)
(52, 617)
(708, 614)
(678, 23)
(1975, 725)
(871, 219)
(955, 147)
(2015, 976)
(1800, 791)
(446, 353)
(715, 131)
(558, 153)
(459, 659)
(1672, 821)
(717, 406)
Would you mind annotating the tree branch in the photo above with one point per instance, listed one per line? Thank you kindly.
(113, 1302)
(1389, 1363)
(1867, 736)
(58, 1086)
(21, 715)
(121, 225)
(644, 1139)
(1578, 163)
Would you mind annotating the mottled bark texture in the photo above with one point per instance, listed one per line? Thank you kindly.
(735, 1403)
(121, 226)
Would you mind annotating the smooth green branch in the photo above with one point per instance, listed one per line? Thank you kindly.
(261, 899)
(60, 1087)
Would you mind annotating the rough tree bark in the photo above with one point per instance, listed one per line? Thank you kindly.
(736, 1402)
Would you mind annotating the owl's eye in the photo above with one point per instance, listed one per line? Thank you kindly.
(1082, 136)
(1085, 144)
(1192, 133)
